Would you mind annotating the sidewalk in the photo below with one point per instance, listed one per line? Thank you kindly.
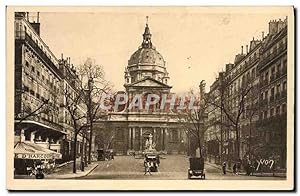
(258, 174)
(218, 166)
(66, 172)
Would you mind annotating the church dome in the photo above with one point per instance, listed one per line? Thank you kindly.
(146, 62)
(146, 56)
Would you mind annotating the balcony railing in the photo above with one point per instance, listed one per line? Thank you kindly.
(266, 59)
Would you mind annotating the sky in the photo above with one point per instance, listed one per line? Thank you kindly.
(196, 45)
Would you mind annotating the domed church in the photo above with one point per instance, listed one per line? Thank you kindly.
(129, 130)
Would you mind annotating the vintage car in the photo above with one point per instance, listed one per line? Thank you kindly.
(154, 161)
(196, 167)
(105, 154)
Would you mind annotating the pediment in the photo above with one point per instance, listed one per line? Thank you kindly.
(149, 82)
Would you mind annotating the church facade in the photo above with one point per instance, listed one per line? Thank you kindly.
(128, 131)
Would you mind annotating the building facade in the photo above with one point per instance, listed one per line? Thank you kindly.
(40, 82)
(128, 130)
(273, 93)
(253, 87)
(37, 87)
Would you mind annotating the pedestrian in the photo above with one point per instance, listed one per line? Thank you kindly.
(234, 168)
(147, 166)
(224, 168)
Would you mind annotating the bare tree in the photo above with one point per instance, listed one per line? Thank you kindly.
(94, 87)
(232, 105)
(74, 107)
(252, 109)
(193, 120)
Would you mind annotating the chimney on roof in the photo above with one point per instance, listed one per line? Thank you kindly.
(35, 25)
(242, 49)
(247, 49)
(262, 35)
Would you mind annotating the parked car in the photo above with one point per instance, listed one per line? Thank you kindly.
(196, 167)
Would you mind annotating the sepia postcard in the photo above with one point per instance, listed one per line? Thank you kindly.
(150, 98)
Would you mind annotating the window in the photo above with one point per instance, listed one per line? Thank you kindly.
(26, 89)
(272, 112)
(283, 108)
(32, 69)
(278, 88)
(277, 110)
(272, 92)
(265, 114)
(38, 73)
(279, 67)
(32, 92)
(267, 76)
(27, 64)
(266, 94)
(284, 85)
(273, 70)
(284, 64)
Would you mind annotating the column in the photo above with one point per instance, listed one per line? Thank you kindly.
(141, 136)
(154, 135)
(129, 138)
(162, 137)
(133, 138)
(32, 136)
(22, 135)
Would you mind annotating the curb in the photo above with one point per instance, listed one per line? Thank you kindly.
(92, 169)
(75, 176)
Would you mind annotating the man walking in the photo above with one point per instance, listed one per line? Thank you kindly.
(224, 168)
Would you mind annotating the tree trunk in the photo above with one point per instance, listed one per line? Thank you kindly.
(199, 145)
(90, 143)
(74, 153)
(82, 154)
(237, 142)
(250, 136)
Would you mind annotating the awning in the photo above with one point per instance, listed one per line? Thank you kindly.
(29, 150)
